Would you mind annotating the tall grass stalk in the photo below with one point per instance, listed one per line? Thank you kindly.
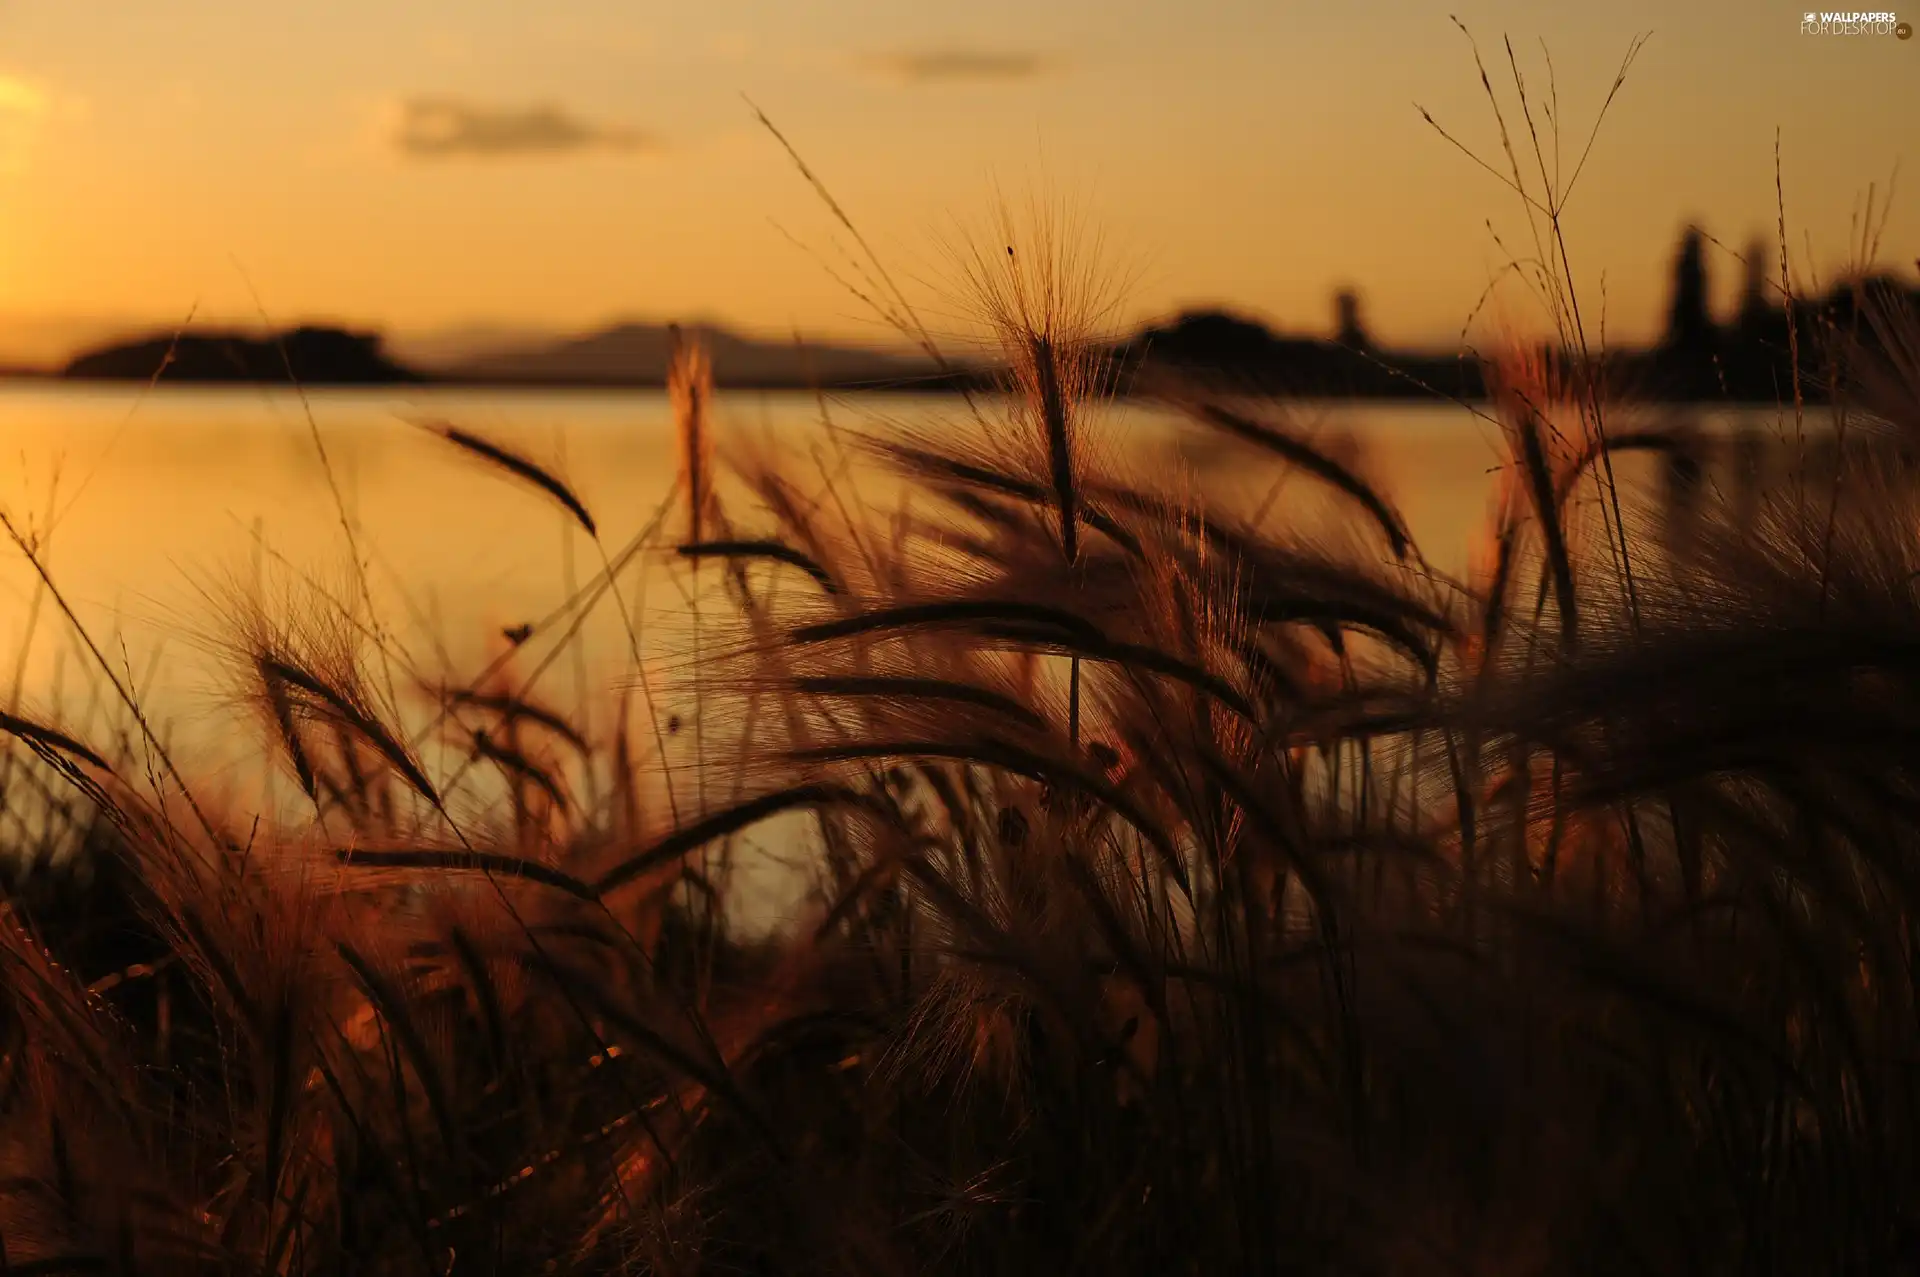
(1349, 920)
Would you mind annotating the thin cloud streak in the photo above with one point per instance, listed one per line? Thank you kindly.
(432, 128)
(954, 66)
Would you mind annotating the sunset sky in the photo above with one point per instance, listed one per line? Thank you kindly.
(447, 162)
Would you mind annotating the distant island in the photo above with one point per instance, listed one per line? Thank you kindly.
(308, 356)
(1221, 351)
(1748, 359)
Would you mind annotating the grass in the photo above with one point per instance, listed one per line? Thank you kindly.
(1187, 891)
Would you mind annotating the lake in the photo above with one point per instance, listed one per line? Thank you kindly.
(152, 506)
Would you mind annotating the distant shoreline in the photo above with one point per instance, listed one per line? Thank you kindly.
(1754, 361)
(918, 388)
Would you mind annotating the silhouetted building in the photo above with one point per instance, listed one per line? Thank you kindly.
(1348, 330)
(1689, 323)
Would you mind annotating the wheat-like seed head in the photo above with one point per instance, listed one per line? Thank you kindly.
(690, 391)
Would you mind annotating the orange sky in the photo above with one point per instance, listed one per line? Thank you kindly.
(441, 162)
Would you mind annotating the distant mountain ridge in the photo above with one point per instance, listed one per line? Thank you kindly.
(429, 349)
(636, 354)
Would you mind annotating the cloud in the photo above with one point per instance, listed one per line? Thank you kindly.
(437, 128)
(952, 66)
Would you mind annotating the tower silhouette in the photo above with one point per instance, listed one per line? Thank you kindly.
(1348, 330)
(1689, 324)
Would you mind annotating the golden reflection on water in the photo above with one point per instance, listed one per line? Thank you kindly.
(146, 506)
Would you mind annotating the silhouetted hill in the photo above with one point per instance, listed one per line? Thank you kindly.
(1217, 350)
(635, 354)
(310, 356)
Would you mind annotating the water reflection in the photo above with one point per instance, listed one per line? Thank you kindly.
(148, 509)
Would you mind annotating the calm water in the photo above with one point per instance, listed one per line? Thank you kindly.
(147, 505)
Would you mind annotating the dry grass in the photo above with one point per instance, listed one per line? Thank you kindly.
(1187, 892)
(1327, 938)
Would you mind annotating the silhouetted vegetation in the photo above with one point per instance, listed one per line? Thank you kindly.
(1752, 358)
(1226, 350)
